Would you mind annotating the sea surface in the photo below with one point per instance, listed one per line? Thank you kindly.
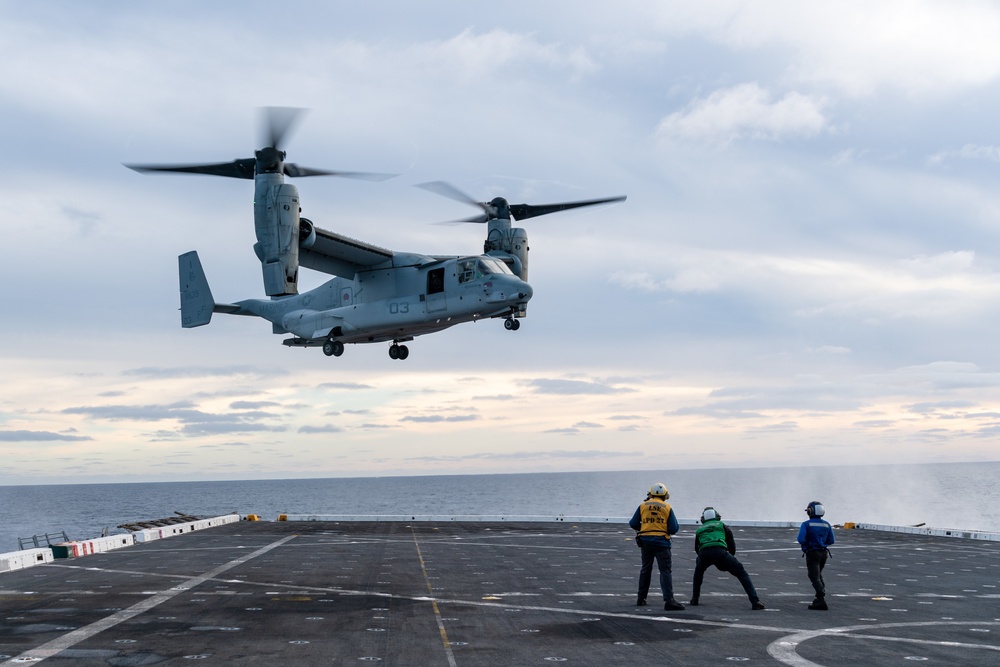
(952, 495)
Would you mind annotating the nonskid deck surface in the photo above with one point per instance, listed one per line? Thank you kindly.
(320, 593)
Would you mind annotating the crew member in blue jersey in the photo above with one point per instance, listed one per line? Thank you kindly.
(815, 535)
(654, 523)
(715, 545)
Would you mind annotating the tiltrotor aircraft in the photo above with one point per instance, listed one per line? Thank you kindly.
(378, 295)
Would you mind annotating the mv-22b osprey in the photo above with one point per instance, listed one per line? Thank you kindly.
(378, 295)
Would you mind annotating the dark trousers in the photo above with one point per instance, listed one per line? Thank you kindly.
(726, 562)
(815, 562)
(661, 555)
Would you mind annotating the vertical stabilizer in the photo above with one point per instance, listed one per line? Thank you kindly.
(196, 298)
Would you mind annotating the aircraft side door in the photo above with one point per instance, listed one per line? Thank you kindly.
(435, 296)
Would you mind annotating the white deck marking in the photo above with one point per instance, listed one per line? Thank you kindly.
(784, 649)
(51, 648)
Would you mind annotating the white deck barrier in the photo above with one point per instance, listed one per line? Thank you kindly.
(97, 545)
(18, 560)
(933, 532)
(150, 534)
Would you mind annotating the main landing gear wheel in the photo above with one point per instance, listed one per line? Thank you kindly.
(333, 348)
(510, 324)
(398, 351)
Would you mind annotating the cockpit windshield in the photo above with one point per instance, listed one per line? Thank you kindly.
(471, 268)
(493, 265)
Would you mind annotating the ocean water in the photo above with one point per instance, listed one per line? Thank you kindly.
(954, 495)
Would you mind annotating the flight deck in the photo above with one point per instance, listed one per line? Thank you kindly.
(459, 593)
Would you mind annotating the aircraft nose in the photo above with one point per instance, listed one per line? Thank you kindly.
(525, 291)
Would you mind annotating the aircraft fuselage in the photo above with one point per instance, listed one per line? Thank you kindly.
(395, 303)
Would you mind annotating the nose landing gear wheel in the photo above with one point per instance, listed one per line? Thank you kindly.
(398, 351)
(333, 348)
(510, 324)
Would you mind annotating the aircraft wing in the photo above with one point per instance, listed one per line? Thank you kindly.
(341, 255)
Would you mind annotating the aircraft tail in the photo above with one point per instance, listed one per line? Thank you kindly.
(197, 303)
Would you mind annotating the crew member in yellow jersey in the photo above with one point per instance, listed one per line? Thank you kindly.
(654, 523)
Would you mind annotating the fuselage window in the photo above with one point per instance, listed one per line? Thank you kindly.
(435, 281)
(466, 270)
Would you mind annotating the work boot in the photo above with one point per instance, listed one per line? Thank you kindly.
(757, 605)
(693, 602)
(641, 602)
(672, 605)
(819, 604)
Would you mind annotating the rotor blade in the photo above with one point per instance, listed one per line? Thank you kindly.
(451, 192)
(235, 169)
(524, 211)
(484, 217)
(295, 171)
(278, 121)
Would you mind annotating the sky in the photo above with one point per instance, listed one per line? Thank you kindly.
(806, 270)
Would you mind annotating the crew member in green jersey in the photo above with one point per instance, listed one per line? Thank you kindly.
(715, 545)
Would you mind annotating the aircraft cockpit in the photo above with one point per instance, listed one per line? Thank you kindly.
(473, 268)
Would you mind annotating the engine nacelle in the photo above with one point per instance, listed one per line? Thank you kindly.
(276, 219)
(512, 242)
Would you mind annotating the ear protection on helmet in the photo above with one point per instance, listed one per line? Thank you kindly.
(815, 509)
(709, 514)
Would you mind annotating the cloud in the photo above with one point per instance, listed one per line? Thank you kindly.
(192, 422)
(918, 47)
(746, 111)
(181, 411)
(875, 423)
(155, 372)
(328, 428)
(221, 427)
(780, 427)
(587, 425)
(816, 396)
(572, 387)
(251, 405)
(714, 411)
(697, 279)
(433, 419)
(473, 56)
(937, 406)
(87, 221)
(344, 385)
(966, 152)
(40, 436)
(833, 350)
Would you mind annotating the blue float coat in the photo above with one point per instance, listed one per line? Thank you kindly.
(815, 534)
